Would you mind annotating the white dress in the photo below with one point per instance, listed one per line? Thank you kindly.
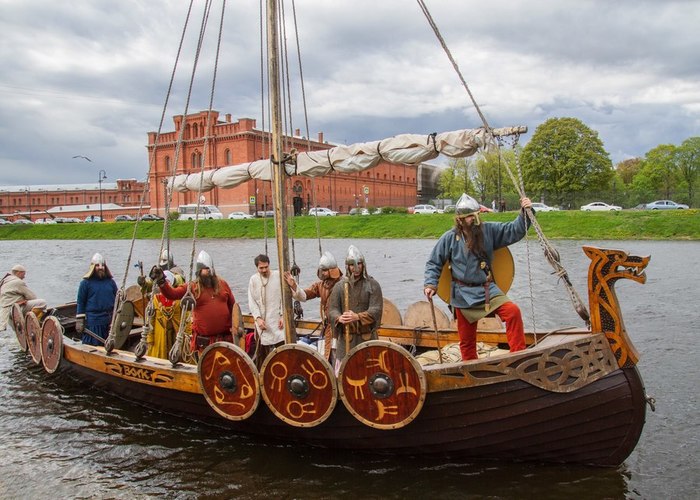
(265, 301)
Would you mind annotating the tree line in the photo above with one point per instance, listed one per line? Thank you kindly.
(565, 164)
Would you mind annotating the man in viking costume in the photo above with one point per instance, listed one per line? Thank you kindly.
(265, 304)
(214, 300)
(96, 295)
(13, 290)
(328, 275)
(469, 247)
(355, 306)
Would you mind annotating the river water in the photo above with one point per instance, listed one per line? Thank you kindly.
(59, 438)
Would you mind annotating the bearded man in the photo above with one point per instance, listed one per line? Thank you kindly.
(265, 304)
(95, 302)
(214, 300)
(328, 275)
(469, 248)
(358, 322)
(13, 290)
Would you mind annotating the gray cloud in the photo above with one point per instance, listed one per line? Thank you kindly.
(90, 78)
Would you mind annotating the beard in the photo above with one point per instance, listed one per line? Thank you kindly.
(101, 274)
(209, 281)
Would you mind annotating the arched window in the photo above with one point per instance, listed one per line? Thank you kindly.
(195, 131)
(187, 132)
(227, 155)
(194, 159)
(167, 163)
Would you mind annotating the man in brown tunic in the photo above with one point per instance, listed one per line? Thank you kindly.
(328, 275)
(355, 305)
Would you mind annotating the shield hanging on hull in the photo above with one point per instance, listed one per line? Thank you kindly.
(298, 385)
(381, 385)
(19, 326)
(33, 336)
(51, 344)
(229, 381)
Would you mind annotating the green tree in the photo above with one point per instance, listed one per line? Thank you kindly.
(455, 180)
(689, 164)
(659, 173)
(627, 169)
(489, 170)
(565, 157)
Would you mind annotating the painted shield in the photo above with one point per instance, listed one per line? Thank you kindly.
(503, 272)
(229, 380)
(298, 385)
(51, 344)
(382, 385)
(19, 326)
(122, 323)
(33, 336)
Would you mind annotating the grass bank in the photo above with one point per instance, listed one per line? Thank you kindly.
(625, 225)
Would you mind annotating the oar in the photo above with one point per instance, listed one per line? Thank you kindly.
(437, 335)
(94, 336)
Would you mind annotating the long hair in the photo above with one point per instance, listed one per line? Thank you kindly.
(474, 237)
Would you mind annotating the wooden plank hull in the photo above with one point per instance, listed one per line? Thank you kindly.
(598, 424)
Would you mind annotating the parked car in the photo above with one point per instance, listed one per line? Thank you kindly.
(599, 206)
(93, 218)
(425, 209)
(151, 217)
(541, 207)
(665, 205)
(322, 212)
(67, 220)
(263, 213)
(22, 221)
(46, 220)
(3, 221)
(358, 211)
(240, 215)
(124, 218)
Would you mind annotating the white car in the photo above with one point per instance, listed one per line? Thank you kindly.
(425, 209)
(45, 221)
(240, 215)
(599, 206)
(323, 212)
(541, 207)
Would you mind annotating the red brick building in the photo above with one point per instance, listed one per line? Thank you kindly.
(233, 143)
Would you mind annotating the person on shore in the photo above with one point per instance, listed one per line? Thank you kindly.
(13, 290)
(469, 248)
(214, 300)
(95, 302)
(358, 322)
(265, 304)
(328, 275)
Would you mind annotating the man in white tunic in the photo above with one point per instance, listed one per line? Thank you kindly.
(13, 290)
(265, 304)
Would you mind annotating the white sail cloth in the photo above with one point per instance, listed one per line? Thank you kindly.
(409, 149)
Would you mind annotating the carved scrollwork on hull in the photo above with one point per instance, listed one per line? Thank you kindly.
(565, 367)
(608, 266)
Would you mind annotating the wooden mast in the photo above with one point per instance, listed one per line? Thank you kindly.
(277, 159)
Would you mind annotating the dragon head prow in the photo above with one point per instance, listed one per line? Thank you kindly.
(619, 263)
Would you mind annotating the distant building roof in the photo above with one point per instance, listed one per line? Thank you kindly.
(84, 208)
(59, 187)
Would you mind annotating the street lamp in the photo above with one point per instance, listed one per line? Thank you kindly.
(102, 175)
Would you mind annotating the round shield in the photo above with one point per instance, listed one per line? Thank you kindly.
(391, 314)
(298, 385)
(237, 328)
(33, 336)
(420, 315)
(503, 272)
(19, 326)
(133, 294)
(51, 343)
(229, 380)
(381, 385)
(122, 323)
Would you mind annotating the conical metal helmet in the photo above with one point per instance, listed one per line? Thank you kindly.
(327, 261)
(97, 259)
(354, 255)
(466, 205)
(166, 260)
(204, 260)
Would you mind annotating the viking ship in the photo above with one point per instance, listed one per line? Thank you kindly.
(573, 396)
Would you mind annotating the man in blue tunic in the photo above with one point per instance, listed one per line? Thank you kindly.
(469, 248)
(96, 295)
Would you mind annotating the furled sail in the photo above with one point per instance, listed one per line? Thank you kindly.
(409, 149)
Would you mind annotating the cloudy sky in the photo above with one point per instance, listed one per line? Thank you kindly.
(90, 77)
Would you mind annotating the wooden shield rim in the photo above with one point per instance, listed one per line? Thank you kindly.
(32, 321)
(249, 363)
(21, 330)
(134, 295)
(329, 371)
(237, 325)
(422, 309)
(391, 312)
(49, 364)
(419, 372)
(120, 335)
(503, 267)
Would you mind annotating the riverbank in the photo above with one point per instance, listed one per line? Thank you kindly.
(625, 225)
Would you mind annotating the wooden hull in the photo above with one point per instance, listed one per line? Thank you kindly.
(597, 424)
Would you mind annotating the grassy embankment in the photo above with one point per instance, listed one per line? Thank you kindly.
(626, 225)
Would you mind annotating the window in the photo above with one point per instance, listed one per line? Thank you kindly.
(227, 156)
(167, 163)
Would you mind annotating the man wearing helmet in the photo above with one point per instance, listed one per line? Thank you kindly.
(95, 302)
(358, 322)
(469, 248)
(211, 316)
(328, 275)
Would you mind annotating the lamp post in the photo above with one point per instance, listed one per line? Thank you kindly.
(102, 175)
(29, 205)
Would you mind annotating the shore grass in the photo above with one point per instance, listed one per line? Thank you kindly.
(625, 225)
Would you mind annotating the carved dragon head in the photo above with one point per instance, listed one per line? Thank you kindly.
(612, 265)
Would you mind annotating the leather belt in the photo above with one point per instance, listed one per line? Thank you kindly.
(487, 295)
